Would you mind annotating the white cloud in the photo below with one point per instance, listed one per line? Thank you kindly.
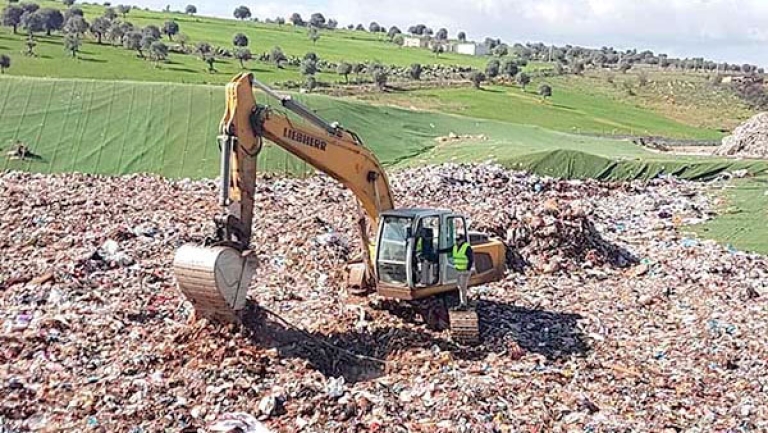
(730, 30)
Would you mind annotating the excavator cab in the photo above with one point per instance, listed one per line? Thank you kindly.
(412, 258)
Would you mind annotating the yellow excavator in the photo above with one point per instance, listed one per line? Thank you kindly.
(405, 262)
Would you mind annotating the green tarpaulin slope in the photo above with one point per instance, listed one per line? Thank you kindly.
(574, 164)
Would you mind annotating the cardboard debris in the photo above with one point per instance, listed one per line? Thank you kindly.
(614, 321)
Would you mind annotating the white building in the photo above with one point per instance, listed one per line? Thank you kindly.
(471, 49)
(466, 48)
(415, 42)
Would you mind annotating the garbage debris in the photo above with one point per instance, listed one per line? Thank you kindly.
(614, 320)
(452, 137)
(20, 151)
(749, 140)
(238, 423)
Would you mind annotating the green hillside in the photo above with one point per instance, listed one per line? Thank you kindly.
(123, 127)
(567, 110)
(116, 63)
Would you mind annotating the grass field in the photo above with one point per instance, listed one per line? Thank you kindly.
(686, 97)
(567, 110)
(107, 62)
(743, 222)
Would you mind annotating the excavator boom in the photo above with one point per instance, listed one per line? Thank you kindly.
(215, 277)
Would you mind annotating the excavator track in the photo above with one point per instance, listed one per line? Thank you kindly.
(465, 326)
(214, 279)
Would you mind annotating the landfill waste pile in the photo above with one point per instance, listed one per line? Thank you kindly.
(615, 319)
(749, 140)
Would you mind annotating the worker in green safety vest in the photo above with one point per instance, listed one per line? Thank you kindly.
(463, 260)
(424, 257)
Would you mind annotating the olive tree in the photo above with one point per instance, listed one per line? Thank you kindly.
(523, 80)
(30, 7)
(492, 69)
(477, 78)
(5, 62)
(52, 18)
(240, 40)
(210, 60)
(242, 12)
(30, 44)
(76, 24)
(344, 69)
(243, 55)
(277, 56)
(158, 51)
(415, 71)
(308, 67)
(152, 31)
(69, 13)
(132, 41)
(33, 22)
(501, 50)
(118, 30)
(317, 20)
(380, 77)
(171, 28)
(545, 90)
(393, 31)
(12, 16)
(72, 43)
(204, 49)
(100, 27)
(510, 68)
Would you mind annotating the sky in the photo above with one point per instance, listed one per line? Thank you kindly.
(735, 31)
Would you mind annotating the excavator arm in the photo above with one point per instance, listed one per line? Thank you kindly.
(329, 148)
(215, 277)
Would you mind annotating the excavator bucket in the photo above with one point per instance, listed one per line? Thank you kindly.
(214, 279)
